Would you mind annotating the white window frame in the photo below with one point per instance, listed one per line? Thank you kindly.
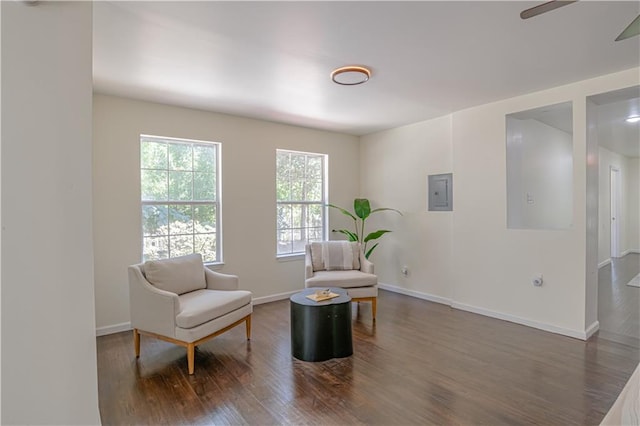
(216, 203)
(322, 203)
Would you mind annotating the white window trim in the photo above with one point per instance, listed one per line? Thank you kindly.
(219, 262)
(284, 257)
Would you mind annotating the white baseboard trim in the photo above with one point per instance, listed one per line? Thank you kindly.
(582, 335)
(592, 329)
(112, 329)
(604, 263)
(416, 294)
(576, 334)
(623, 254)
(274, 297)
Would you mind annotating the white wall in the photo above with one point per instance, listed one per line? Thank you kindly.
(0, 219)
(633, 204)
(395, 165)
(491, 266)
(539, 175)
(591, 215)
(248, 193)
(628, 218)
(49, 373)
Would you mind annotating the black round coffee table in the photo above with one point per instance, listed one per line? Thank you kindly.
(320, 330)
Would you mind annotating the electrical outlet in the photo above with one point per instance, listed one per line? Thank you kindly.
(404, 271)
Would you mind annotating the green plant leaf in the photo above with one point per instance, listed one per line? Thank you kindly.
(368, 253)
(362, 208)
(349, 234)
(346, 212)
(375, 235)
(386, 208)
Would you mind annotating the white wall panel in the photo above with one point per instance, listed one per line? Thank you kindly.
(49, 373)
(395, 165)
(470, 256)
(248, 192)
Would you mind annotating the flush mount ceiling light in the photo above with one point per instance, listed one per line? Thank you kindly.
(633, 119)
(350, 75)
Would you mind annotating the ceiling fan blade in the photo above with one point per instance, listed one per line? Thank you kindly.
(631, 31)
(543, 8)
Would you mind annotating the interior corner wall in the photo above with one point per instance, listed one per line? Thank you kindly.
(248, 193)
(485, 267)
(632, 196)
(500, 263)
(49, 372)
(395, 165)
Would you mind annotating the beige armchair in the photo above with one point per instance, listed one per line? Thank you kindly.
(180, 301)
(341, 264)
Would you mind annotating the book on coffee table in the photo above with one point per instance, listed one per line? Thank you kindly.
(321, 296)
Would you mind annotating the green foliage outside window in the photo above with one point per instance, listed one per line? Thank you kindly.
(299, 199)
(179, 198)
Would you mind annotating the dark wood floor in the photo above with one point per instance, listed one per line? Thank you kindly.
(422, 363)
(618, 303)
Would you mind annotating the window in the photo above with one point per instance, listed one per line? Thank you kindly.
(300, 200)
(180, 198)
(539, 154)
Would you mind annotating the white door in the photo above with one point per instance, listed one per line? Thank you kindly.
(615, 212)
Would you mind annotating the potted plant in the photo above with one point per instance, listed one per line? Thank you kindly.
(362, 210)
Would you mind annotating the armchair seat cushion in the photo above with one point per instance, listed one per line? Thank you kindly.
(200, 306)
(343, 279)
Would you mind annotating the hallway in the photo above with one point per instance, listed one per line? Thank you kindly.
(618, 303)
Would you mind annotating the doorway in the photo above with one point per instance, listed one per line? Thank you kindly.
(613, 250)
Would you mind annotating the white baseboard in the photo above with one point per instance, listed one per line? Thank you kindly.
(416, 294)
(582, 335)
(112, 329)
(274, 297)
(592, 329)
(576, 334)
(623, 254)
(604, 263)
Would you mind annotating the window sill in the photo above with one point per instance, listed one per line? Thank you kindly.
(290, 257)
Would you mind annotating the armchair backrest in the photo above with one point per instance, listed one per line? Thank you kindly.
(178, 275)
(334, 255)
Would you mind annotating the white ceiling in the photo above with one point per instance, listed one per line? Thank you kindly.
(612, 108)
(271, 60)
(614, 133)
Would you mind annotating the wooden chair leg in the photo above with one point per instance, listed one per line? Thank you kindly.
(248, 327)
(374, 307)
(136, 342)
(191, 348)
